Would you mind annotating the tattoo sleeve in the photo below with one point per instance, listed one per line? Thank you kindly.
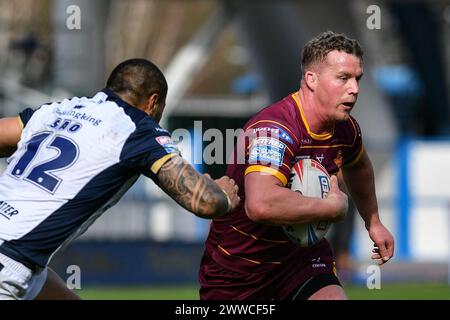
(191, 190)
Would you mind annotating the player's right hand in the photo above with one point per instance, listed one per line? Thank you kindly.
(230, 187)
(338, 200)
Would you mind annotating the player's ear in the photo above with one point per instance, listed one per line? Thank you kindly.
(310, 78)
(151, 104)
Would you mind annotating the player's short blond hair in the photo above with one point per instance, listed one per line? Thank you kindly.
(317, 48)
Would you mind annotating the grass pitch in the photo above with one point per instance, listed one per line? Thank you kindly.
(418, 291)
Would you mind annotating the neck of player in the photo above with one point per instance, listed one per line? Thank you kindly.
(317, 121)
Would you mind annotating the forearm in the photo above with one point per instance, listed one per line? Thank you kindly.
(281, 206)
(191, 190)
(10, 130)
(360, 182)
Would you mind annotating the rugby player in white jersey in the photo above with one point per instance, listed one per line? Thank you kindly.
(70, 161)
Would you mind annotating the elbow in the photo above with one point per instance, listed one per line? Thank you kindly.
(257, 211)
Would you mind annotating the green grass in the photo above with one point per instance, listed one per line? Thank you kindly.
(421, 291)
(188, 292)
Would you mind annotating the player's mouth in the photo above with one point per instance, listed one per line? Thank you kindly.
(348, 105)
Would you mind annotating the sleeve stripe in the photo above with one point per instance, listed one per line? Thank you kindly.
(356, 131)
(19, 119)
(159, 163)
(357, 157)
(268, 170)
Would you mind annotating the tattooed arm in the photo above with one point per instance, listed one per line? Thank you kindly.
(195, 192)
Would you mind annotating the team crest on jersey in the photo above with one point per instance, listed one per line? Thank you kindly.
(269, 150)
(167, 144)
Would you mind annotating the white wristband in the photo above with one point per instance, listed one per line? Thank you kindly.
(230, 205)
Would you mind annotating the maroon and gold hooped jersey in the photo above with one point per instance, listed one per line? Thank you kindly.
(273, 140)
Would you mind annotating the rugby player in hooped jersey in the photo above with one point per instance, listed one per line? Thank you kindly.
(247, 255)
(74, 159)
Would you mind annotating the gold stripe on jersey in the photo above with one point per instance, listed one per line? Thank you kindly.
(271, 171)
(256, 238)
(357, 158)
(312, 134)
(276, 122)
(356, 131)
(325, 147)
(20, 122)
(248, 260)
(159, 163)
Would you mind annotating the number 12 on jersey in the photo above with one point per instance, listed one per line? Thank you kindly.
(41, 174)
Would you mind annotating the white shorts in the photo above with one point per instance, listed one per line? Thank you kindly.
(18, 282)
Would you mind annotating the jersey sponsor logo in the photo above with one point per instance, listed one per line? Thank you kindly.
(269, 142)
(285, 136)
(161, 130)
(79, 116)
(7, 211)
(269, 150)
(167, 144)
(266, 129)
(65, 124)
(280, 133)
(317, 264)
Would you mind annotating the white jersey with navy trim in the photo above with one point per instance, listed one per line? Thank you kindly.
(75, 159)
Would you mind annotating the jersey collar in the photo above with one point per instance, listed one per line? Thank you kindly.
(313, 135)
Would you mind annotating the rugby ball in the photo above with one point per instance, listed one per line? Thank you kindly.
(309, 178)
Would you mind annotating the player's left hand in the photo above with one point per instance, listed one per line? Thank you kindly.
(383, 243)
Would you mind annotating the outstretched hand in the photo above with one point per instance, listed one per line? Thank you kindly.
(230, 188)
(383, 243)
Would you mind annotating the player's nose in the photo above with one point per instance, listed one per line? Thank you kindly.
(353, 87)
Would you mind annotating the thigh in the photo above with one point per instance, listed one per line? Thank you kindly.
(330, 292)
(320, 287)
(314, 271)
(55, 289)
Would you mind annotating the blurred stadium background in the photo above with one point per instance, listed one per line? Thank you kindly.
(225, 60)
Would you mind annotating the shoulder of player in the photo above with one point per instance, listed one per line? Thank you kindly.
(147, 132)
(148, 136)
(349, 128)
(277, 118)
